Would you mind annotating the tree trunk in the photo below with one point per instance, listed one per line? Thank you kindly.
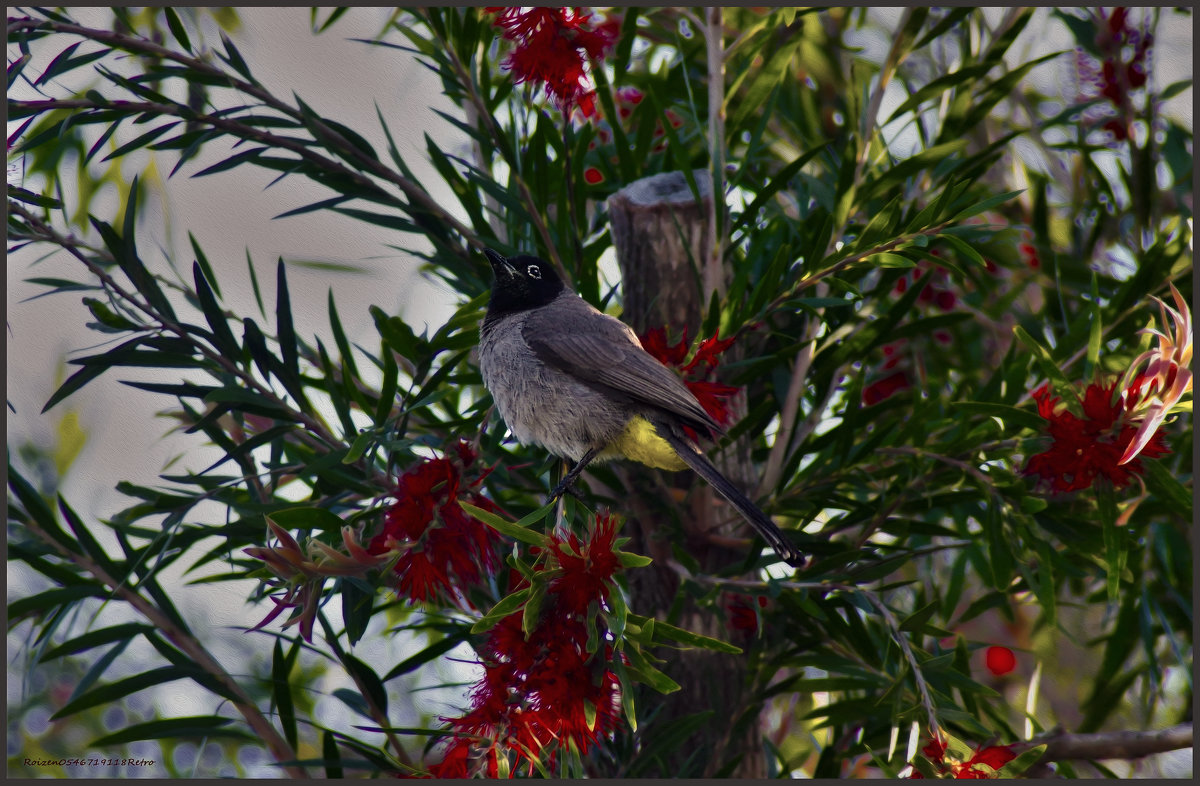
(662, 239)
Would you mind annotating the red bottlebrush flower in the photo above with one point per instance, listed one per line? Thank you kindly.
(1000, 660)
(742, 615)
(587, 567)
(542, 690)
(885, 388)
(995, 757)
(551, 47)
(442, 549)
(713, 396)
(654, 341)
(1029, 255)
(1086, 448)
(1121, 67)
(707, 353)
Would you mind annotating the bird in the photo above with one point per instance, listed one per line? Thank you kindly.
(577, 382)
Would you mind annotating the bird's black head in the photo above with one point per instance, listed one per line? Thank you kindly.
(521, 283)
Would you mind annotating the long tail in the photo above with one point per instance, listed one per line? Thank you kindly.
(690, 453)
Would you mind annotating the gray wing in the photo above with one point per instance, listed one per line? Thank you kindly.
(575, 338)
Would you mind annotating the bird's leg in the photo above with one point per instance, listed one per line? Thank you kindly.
(569, 478)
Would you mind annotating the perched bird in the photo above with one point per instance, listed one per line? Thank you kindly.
(578, 383)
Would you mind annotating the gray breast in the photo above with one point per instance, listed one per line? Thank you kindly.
(542, 405)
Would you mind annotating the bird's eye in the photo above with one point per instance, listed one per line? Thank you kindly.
(534, 271)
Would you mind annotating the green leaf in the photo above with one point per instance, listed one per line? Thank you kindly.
(641, 668)
(1096, 328)
(1041, 355)
(175, 25)
(516, 530)
(115, 691)
(1115, 543)
(357, 600)
(916, 621)
(506, 606)
(96, 638)
(426, 655)
(281, 691)
(107, 317)
(288, 343)
(631, 560)
(87, 541)
(665, 632)
(65, 61)
(890, 260)
(140, 142)
(307, 518)
(329, 752)
(223, 340)
(985, 205)
(532, 611)
(1166, 486)
(234, 58)
(204, 726)
(368, 682)
(964, 248)
(52, 600)
(1019, 417)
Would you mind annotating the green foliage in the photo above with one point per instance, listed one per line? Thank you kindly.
(928, 539)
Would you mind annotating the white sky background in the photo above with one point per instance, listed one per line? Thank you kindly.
(229, 213)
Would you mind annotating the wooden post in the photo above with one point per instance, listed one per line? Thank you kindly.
(663, 241)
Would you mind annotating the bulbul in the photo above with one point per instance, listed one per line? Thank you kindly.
(578, 383)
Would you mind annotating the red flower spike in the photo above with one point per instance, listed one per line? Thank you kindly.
(587, 567)
(885, 388)
(655, 342)
(995, 757)
(1083, 449)
(443, 551)
(711, 395)
(1000, 660)
(707, 353)
(551, 47)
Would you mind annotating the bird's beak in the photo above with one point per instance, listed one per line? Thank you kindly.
(499, 263)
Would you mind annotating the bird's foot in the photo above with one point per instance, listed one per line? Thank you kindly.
(567, 485)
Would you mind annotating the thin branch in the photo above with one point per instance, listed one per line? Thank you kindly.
(867, 124)
(791, 406)
(1062, 746)
(714, 273)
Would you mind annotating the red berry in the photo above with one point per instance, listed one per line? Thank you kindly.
(1000, 660)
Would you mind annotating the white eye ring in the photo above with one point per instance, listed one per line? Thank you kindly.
(534, 271)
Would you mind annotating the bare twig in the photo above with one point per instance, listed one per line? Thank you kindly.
(1126, 745)
(791, 406)
(714, 278)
